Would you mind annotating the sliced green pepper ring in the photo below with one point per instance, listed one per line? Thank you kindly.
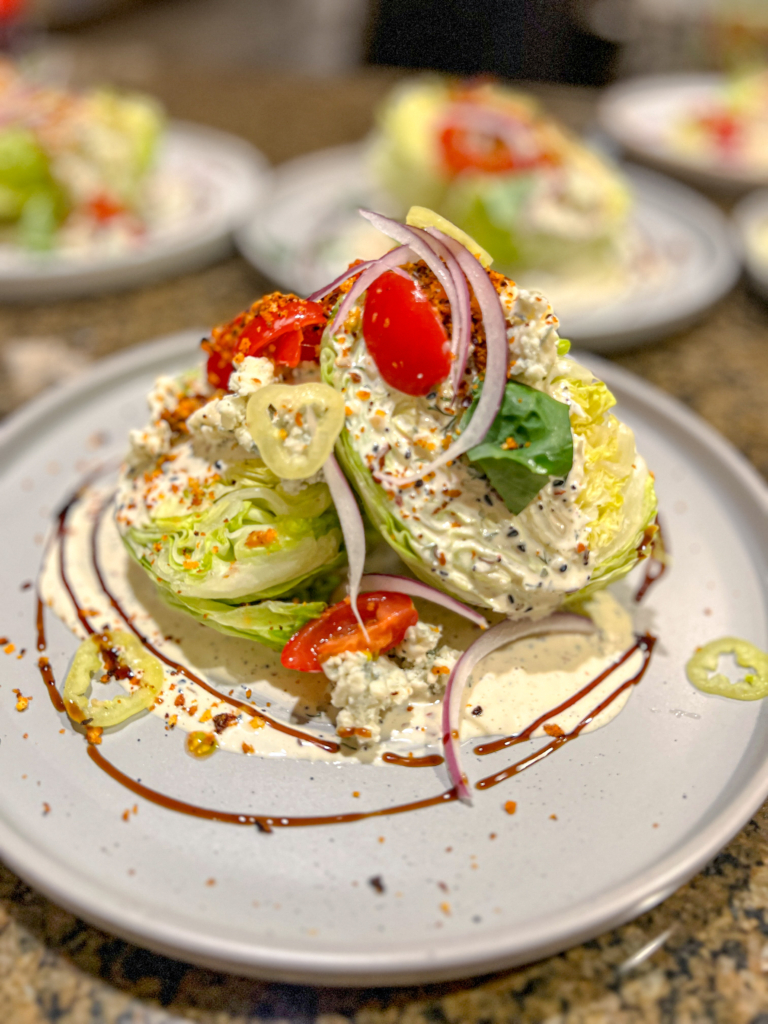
(88, 663)
(295, 426)
(754, 685)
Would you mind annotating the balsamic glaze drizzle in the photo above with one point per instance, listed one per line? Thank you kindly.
(266, 823)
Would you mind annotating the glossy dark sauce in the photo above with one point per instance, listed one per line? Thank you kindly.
(520, 737)
(655, 567)
(646, 645)
(267, 823)
(50, 682)
(409, 761)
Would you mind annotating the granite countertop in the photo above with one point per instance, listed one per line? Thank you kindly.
(701, 955)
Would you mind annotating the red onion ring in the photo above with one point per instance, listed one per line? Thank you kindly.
(496, 364)
(415, 588)
(378, 267)
(497, 636)
(461, 311)
(351, 527)
(415, 239)
(349, 272)
(519, 137)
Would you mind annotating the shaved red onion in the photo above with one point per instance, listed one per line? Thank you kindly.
(517, 136)
(390, 260)
(461, 310)
(415, 588)
(464, 309)
(423, 246)
(496, 363)
(351, 526)
(349, 272)
(497, 636)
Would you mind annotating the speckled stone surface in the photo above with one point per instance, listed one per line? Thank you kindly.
(701, 956)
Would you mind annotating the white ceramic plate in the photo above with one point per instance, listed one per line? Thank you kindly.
(214, 181)
(640, 805)
(640, 113)
(682, 258)
(750, 216)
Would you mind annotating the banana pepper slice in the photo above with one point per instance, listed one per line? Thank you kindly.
(753, 686)
(295, 426)
(100, 653)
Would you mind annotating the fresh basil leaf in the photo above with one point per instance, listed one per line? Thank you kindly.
(529, 441)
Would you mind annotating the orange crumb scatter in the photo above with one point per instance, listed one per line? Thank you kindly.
(211, 881)
(179, 702)
(441, 670)
(553, 730)
(9, 648)
(355, 793)
(381, 839)
(553, 817)
(509, 444)
(261, 538)
(62, 732)
(510, 806)
(206, 715)
(247, 748)
(46, 808)
(22, 702)
(93, 734)
(190, 563)
(257, 722)
(446, 909)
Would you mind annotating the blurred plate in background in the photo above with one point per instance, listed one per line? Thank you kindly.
(205, 186)
(677, 260)
(751, 219)
(642, 113)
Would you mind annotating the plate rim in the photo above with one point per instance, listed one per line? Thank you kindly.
(439, 961)
(651, 187)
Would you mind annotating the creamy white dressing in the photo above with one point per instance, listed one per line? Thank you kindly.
(513, 686)
(459, 528)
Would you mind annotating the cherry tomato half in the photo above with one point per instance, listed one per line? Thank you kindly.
(404, 335)
(103, 208)
(386, 617)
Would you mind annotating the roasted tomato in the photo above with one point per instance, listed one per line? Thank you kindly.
(386, 617)
(219, 370)
(404, 335)
(278, 331)
(284, 328)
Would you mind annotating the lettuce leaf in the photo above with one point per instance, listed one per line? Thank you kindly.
(529, 441)
(246, 542)
(271, 623)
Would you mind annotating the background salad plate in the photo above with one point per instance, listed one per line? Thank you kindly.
(641, 114)
(682, 260)
(217, 179)
(750, 217)
(604, 829)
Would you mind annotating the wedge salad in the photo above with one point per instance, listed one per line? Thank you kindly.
(489, 158)
(420, 404)
(74, 166)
